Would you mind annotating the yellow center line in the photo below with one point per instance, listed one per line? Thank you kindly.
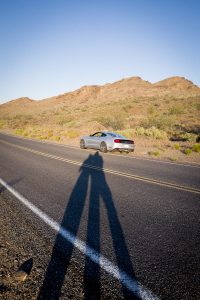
(132, 176)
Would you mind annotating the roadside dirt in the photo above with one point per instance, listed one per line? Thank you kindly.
(24, 257)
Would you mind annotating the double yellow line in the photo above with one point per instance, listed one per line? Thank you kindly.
(132, 176)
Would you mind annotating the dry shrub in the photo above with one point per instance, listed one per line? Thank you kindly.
(162, 122)
(154, 153)
(72, 134)
(196, 148)
(152, 132)
(129, 133)
(114, 122)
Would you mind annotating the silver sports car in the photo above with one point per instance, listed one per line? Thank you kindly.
(107, 141)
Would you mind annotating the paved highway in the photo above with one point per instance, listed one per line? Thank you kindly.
(131, 225)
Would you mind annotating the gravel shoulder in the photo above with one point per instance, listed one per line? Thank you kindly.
(24, 257)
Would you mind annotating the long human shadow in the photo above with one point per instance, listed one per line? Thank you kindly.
(100, 191)
(62, 249)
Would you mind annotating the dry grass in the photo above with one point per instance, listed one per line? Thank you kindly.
(149, 114)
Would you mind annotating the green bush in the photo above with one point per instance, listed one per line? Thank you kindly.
(49, 134)
(71, 124)
(176, 110)
(197, 106)
(188, 136)
(43, 137)
(56, 138)
(72, 134)
(140, 131)
(196, 148)
(156, 133)
(129, 133)
(19, 131)
(182, 137)
(154, 153)
(152, 132)
(188, 151)
(151, 110)
(177, 146)
(127, 107)
(22, 120)
(163, 122)
(2, 124)
(26, 134)
(173, 158)
(62, 120)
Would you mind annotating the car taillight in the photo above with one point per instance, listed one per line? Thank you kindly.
(124, 141)
(117, 141)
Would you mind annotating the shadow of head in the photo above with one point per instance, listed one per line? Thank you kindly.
(26, 267)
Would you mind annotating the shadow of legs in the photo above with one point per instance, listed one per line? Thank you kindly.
(100, 189)
(121, 251)
(62, 249)
(92, 270)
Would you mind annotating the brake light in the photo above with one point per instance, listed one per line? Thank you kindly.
(123, 141)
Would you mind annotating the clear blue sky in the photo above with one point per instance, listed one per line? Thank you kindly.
(49, 47)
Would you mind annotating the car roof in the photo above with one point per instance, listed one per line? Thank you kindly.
(114, 133)
(109, 132)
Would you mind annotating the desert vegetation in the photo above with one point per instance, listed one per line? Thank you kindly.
(163, 122)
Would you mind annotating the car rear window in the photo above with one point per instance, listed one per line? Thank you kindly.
(115, 135)
(112, 134)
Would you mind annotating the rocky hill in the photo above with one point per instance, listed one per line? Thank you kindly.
(178, 84)
(124, 89)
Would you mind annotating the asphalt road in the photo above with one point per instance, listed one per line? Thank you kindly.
(142, 215)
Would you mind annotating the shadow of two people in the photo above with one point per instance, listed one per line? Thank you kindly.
(62, 249)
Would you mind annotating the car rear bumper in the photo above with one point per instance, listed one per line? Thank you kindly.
(123, 147)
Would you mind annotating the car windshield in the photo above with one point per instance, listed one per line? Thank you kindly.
(115, 135)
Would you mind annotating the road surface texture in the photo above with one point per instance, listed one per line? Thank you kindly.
(79, 224)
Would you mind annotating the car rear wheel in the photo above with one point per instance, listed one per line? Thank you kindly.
(82, 144)
(103, 147)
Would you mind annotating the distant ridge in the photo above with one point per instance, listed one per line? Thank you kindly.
(177, 82)
(22, 100)
(123, 89)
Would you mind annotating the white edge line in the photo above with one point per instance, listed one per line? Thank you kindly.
(130, 283)
(182, 164)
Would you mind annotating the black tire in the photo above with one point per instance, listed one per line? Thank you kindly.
(82, 144)
(103, 147)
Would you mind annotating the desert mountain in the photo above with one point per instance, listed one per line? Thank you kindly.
(177, 83)
(121, 90)
(23, 101)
